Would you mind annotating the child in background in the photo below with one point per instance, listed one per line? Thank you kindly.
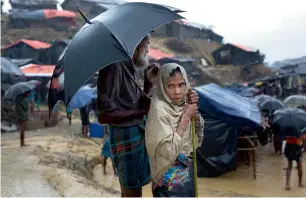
(293, 152)
(106, 152)
(22, 114)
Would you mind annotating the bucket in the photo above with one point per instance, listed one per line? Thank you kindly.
(96, 130)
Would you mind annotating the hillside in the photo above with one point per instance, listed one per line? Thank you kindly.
(186, 48)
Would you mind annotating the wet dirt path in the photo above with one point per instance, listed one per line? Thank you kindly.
(60, 163)
(20, 175)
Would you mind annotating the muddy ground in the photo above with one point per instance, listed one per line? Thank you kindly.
(59, 162)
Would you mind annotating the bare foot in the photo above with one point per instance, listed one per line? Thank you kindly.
(301, 186)
(23, 145)
(105, 173)
(288, 188)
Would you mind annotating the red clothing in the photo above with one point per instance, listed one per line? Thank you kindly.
(294, 140)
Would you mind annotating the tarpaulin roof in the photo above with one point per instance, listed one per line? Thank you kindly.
(58, 13)
(32, 43)
(40, 14)
(157, 54)
(228, 106)
(38, 70)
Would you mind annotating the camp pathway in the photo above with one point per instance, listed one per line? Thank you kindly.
(66, 164)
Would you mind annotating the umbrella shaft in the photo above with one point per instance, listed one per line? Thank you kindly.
(195, 171)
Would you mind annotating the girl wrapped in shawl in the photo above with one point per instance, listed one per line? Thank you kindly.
(169, 136)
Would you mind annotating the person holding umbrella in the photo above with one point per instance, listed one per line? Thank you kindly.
(19, 94)
(293, 152)
(290, 123)
(114, 46)
(169, 134)
(121, 106)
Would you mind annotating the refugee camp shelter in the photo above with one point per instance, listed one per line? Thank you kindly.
(24, 48)
(294, 76)
(43, 73)
(57, 19)
(33, 4)
(155, 54)
(237, 55)
(224, 113)
(187, 29)
(84, 5)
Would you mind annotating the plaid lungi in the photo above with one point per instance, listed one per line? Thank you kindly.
(129, 156)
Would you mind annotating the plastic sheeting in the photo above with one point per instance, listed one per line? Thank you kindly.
(224, 112)
(228, 106)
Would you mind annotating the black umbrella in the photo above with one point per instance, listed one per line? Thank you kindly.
(111, 37)
(20, 88)
(271, 105)
(250, 92)
(290, 121)
(261, 98)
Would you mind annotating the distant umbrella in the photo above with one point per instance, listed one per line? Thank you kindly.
(35, 82)
(271, 105)
(250, 92)
(82, 97)
(290, 122)
(261, 98)
(295, 101)
(95, 90)
(20, 88)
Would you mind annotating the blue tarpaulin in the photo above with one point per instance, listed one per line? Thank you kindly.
(228, 106)
(224, 113)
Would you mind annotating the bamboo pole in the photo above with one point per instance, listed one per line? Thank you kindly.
(195, 170)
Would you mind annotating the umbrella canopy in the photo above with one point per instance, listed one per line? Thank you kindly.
(271, 105)
(111, 37)
(20, 88)
(82, 97)
(261, 98)
(10, 73)
(295, 101)
(35, 82)
(290, 121)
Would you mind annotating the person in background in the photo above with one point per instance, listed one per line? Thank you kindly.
(37, 100)
(84, 112)
(69, 113)
(31, 99)
(106, 152)
(22, 114)
(293, 152)
(277, 139)
(94, 107)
